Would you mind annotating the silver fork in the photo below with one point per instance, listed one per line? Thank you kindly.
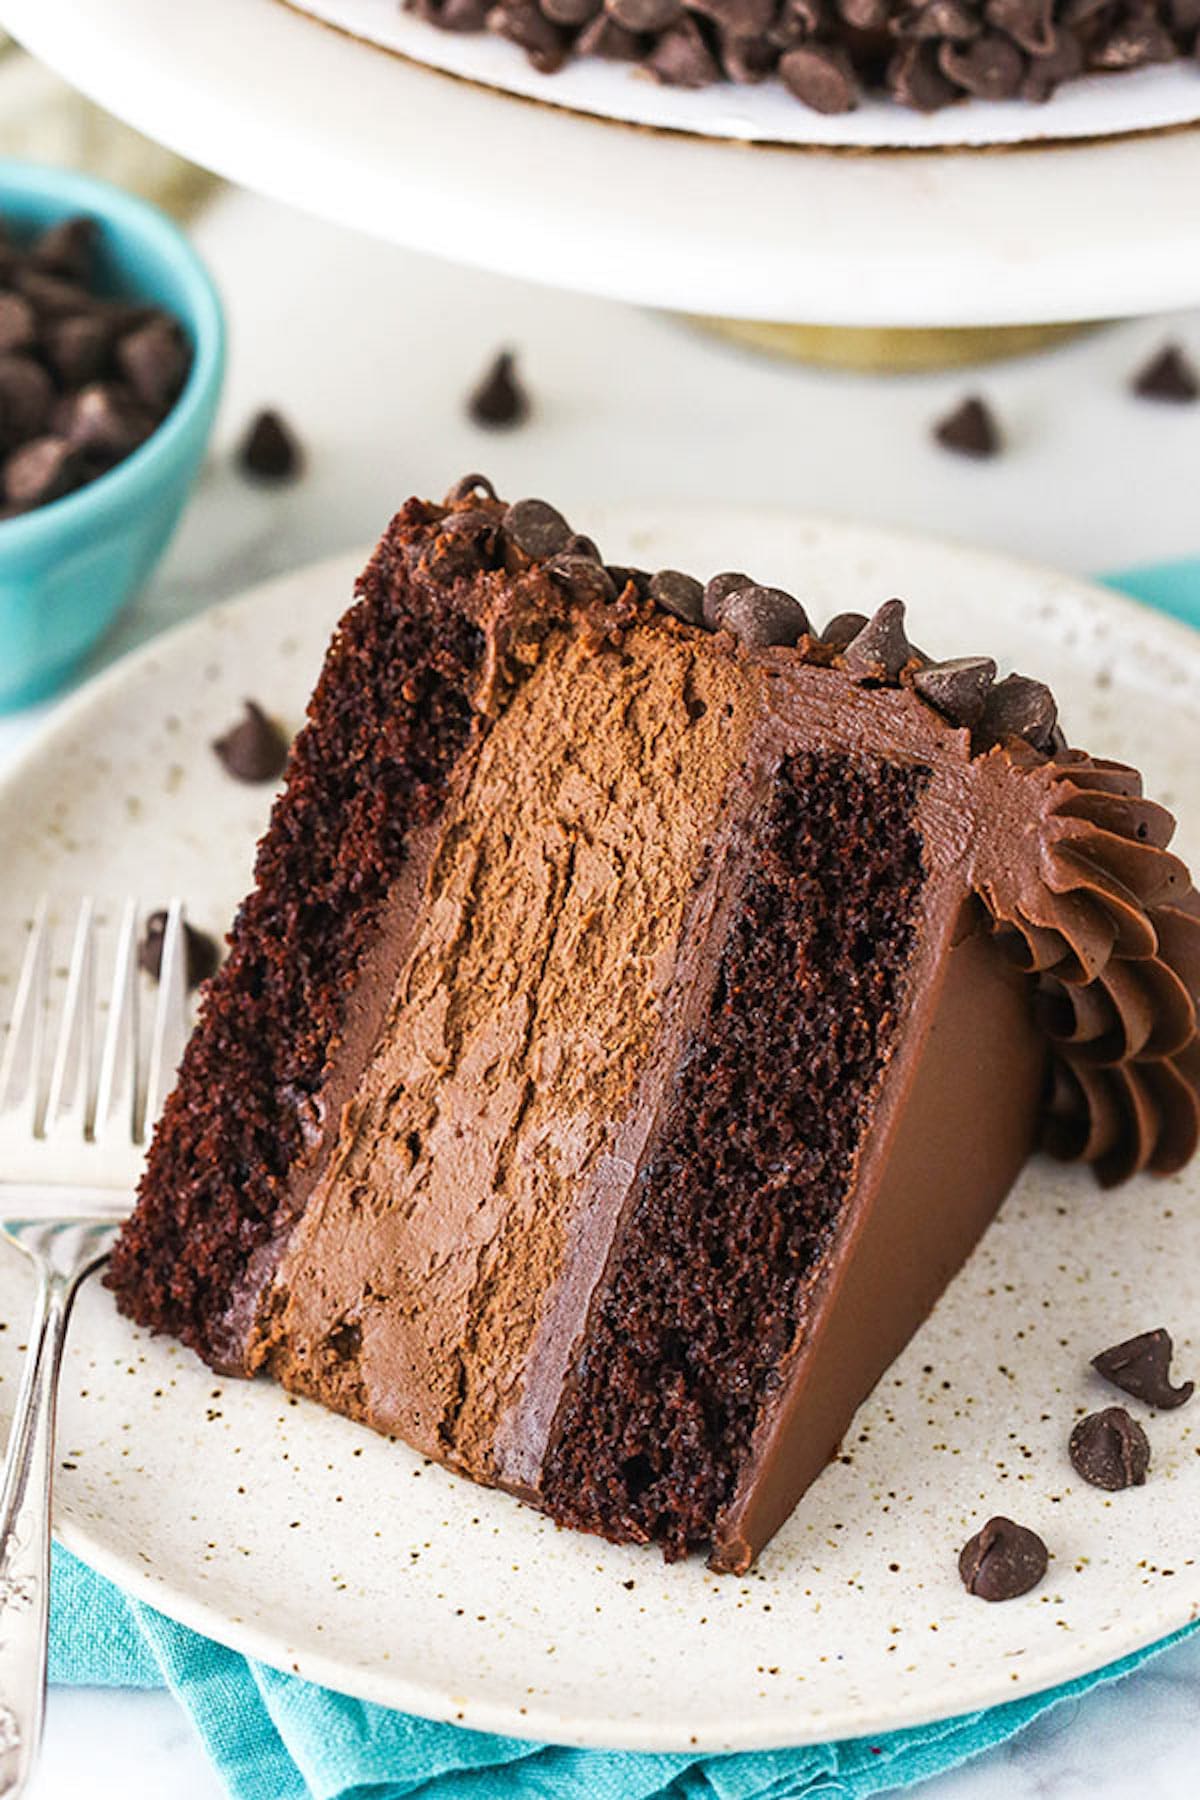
(70, 1148)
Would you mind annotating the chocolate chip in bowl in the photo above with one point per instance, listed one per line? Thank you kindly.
(111, 359)
(60, 332)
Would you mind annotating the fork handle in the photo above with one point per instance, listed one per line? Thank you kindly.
(25, 1535)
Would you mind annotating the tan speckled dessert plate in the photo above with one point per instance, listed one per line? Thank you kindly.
(312, 1544)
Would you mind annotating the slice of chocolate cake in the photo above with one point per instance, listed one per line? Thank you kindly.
(643, 1005)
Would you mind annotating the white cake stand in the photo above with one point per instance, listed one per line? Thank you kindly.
(269, 98)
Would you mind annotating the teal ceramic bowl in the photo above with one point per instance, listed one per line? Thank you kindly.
(67, 569)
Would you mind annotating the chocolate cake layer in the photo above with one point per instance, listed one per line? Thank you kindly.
(643, 1005)
(829, 53)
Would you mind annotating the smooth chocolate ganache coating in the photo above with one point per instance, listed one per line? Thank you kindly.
(645, 1001)
(829, 53)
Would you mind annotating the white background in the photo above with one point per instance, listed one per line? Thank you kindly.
(369, 351)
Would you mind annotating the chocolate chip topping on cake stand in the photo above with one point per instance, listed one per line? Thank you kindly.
(828, 53)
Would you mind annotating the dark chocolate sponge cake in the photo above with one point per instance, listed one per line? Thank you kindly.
(924, 54)
(644, 1003)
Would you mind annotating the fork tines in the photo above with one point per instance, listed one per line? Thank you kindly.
(102, 1092)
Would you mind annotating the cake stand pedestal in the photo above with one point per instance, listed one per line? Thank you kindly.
(885, 350)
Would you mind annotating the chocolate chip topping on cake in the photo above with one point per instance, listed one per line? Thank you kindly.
(829, 53)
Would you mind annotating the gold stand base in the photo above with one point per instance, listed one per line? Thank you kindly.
(886, 351)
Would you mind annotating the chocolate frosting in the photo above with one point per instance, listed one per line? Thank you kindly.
(1072, 868)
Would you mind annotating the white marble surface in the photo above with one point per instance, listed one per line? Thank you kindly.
(369, 351)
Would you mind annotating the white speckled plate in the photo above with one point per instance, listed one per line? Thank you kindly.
(312, 1544)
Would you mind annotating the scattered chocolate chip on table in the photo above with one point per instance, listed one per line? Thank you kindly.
(255, 749)
(970, 430)
(270, 450)
(200, 951)
(500, 401)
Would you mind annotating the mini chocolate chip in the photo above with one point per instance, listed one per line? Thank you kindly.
(1110, 1450)
(570, 12)
(958, 688)
(1002, 1561)
(747, 60)
(644, 15)
(52, 296)
(1141, 1366)
(42, 470)
(254, 749)
(990, 68)
(536, 528)
(521, 22)
(104, 419)
(738, 18)
(1133, 44)
(154, 360)
(467, 485)
(499, 401)
(939, 19)
(18, 327)
(681, 58)
(970, 430)
(623, 577)
(1046, 74)
(67, 248)
(579, 544)
(760, 617)
(821, 76)
(270, 449)
(881, 649)
(77, 348)
(843, 628)
(26, 399)
(1169, 375)
(914, 79)
(1030, 23)
(583, 578)
(1020, 707)
(603, 37)
(717, 592)
(200, 953)
(679, 594)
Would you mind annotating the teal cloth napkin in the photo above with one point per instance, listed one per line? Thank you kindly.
(274, 1737)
